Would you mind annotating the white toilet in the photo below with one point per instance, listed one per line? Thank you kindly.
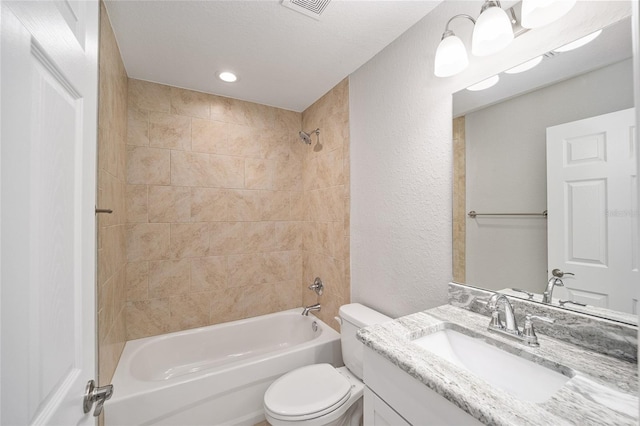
(320, 394)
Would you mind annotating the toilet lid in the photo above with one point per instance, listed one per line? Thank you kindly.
(308, 390)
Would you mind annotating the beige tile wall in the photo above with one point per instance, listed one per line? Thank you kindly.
(112, 132)
(326, 202)
(459, 200)
(215, 212)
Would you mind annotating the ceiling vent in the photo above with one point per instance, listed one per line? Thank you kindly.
(310, 8)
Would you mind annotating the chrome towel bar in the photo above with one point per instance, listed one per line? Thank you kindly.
(473, 214)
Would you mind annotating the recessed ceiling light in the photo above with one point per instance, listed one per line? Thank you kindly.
(525, 66)
(227, 76)
(484, 84)
(578, 43)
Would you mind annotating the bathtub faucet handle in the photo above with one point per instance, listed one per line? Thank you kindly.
(317, 286)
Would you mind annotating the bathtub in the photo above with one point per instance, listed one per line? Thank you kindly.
(215, 375)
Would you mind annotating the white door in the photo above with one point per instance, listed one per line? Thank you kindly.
(47, 198)
(592, 204)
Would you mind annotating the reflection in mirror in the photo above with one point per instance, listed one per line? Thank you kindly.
(569, 107)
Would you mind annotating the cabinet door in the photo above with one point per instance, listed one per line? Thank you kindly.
(378, 413)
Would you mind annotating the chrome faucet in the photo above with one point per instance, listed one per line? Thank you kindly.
(555, 280)
(509, 316)
(510, 329)
(547, 296)
(310, 308)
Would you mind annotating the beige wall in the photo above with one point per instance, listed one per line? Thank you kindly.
(326, 195)
(222, 196)
(215, 213)
(459, 200)
(112, 130)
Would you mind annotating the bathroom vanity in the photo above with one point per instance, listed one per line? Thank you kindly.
(408, 382)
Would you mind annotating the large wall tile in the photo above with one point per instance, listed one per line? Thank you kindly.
(209, 136)
(209, 204)
(148, 165)
(148, 241)
(169, 277)
(169, 204)
(146, 96)
(148, 318)
(169, 131)
(208, 273)
(190, 103)
(189, 240)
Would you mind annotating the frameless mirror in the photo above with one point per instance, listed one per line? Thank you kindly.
(544, 177)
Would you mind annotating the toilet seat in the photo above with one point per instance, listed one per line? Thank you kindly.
(307, 393)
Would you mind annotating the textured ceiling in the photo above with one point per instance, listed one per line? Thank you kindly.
(282, 58)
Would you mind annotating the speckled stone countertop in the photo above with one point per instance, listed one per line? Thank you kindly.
(602, 391)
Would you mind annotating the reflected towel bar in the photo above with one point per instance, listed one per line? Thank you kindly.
(473, 214)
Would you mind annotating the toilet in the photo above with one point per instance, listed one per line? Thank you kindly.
(321, 394)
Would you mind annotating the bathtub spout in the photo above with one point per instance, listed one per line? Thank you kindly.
(308, 309)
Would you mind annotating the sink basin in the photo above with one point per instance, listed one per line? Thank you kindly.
(521, 378)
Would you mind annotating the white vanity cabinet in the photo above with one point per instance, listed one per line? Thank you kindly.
(393, 397)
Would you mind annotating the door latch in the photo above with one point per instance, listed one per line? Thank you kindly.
(96, 394)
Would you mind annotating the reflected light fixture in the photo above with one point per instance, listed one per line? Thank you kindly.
(538, 13)
(227, 77)
(578, 43)
(525, 66)
(484, 84)
(493, 30)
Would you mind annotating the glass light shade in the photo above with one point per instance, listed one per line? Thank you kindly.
(492, 32)
(538, 13)
(485, 84)
(451, 57)
(525, 66)
(579, 42)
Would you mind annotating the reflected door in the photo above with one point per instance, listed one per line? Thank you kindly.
(592, 203)
(48, 156)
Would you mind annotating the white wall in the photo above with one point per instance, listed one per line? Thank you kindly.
(401, 157)
(506, 169)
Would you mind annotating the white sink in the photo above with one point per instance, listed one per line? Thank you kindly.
(521, 378)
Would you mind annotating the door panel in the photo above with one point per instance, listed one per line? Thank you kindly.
(591, 187)
(47, 169)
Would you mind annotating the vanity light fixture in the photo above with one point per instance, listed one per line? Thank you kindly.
(492, 32)
(538, 13)
(227, 77)
(451, 55)
(484, 84)
(579, 42)
(525, 66)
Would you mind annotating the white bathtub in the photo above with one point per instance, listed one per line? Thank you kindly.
(215, 375)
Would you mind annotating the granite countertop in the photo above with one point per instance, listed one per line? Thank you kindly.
(603, 389)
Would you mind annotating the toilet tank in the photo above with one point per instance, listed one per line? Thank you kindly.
(353, 317)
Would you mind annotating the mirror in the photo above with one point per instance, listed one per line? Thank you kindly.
(501, 172)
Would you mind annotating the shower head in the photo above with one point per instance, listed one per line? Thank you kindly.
(306, 137)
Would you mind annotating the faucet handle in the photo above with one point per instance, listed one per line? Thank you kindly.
(317, 286)
(529, 333)
(548, 320)
(572, 302)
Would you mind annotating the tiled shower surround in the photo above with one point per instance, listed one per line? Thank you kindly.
(229, 214)
(112, 132)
